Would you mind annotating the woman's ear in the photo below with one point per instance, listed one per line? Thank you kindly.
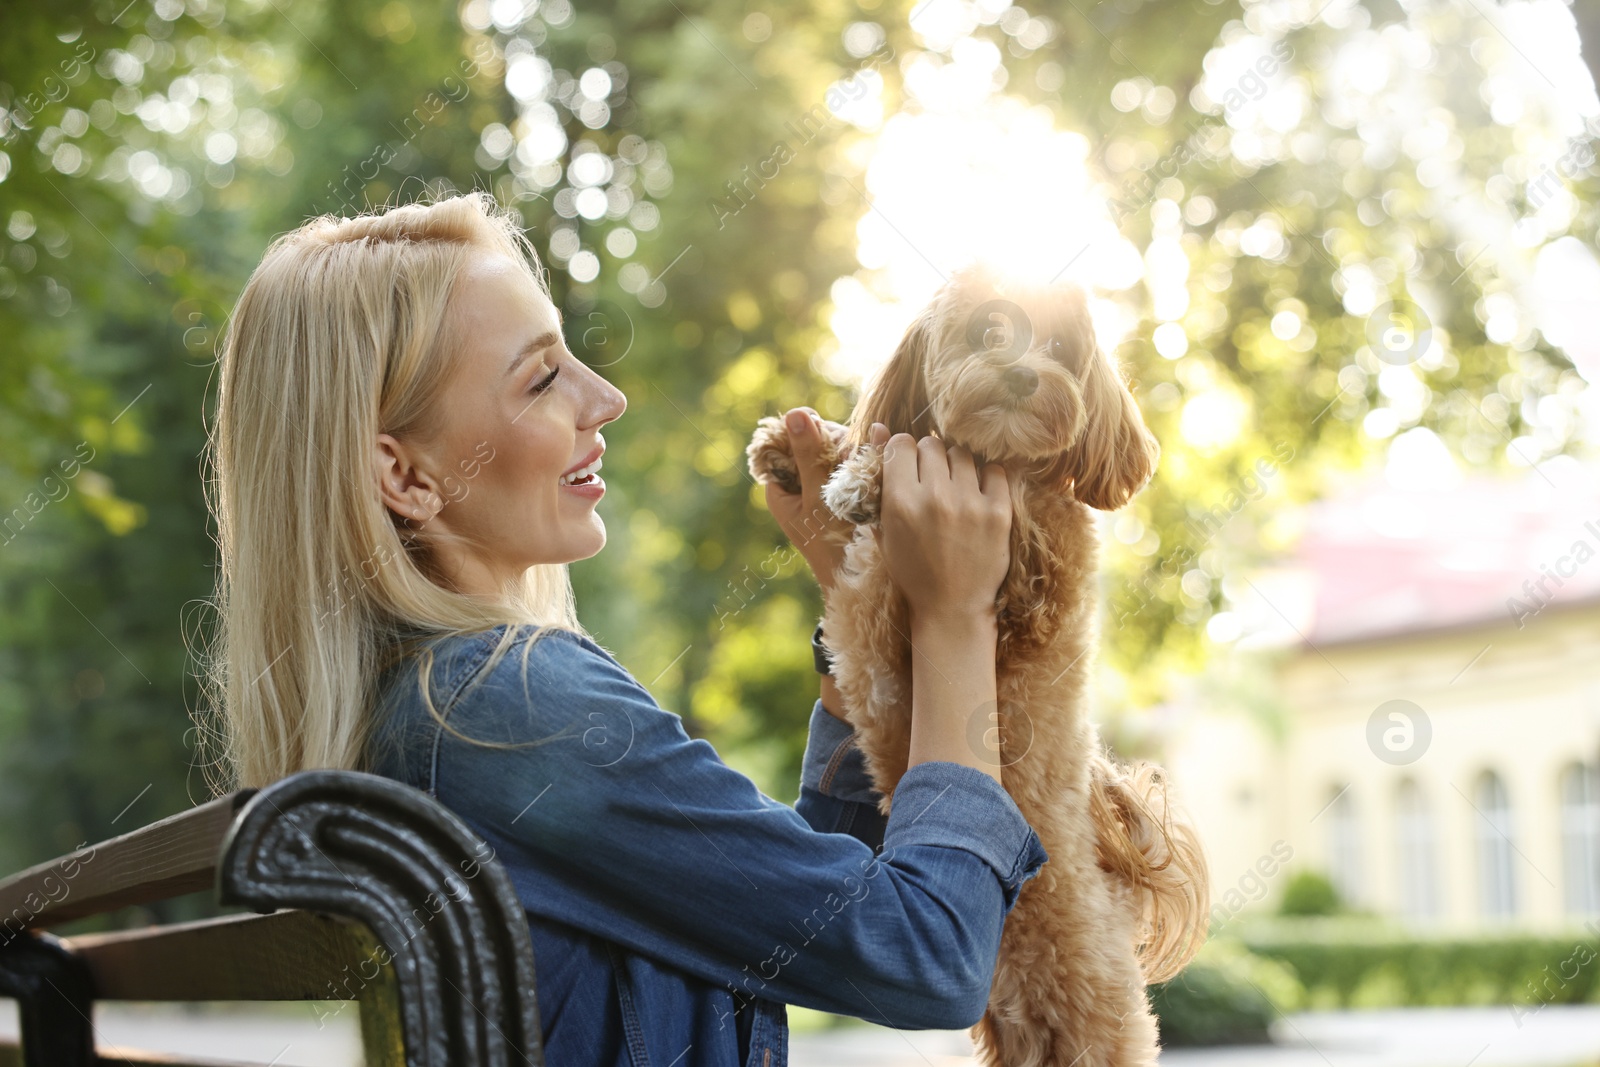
(898, 397)
(1116, 454)
(406, 490)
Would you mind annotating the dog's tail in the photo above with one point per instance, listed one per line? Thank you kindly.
(1145, 841)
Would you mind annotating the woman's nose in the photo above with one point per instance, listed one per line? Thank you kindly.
(607, 402)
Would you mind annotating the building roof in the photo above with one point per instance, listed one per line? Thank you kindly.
(1374, 560)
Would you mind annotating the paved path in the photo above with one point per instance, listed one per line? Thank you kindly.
(1442, 1037)
(1445, 1037)
(1556, 1036)
(290, 1035)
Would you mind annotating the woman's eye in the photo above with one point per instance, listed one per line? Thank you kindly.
(544, 383)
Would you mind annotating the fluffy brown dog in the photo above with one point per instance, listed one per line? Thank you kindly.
(1015, 375)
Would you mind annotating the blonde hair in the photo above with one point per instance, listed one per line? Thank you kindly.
(340, 334)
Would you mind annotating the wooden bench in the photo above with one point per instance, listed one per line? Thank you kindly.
(367, 890)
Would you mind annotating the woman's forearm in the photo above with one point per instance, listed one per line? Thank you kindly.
(953, 692)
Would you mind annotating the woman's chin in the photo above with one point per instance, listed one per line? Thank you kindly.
(594, 540)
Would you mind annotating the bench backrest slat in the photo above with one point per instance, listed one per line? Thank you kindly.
(165, 859)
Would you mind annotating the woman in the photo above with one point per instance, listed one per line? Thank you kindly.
(405, 460)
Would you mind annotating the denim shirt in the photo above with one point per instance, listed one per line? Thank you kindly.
(675, 909)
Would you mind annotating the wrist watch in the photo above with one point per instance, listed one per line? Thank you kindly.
(821, 658)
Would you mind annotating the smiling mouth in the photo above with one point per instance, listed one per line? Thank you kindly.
(583, 475)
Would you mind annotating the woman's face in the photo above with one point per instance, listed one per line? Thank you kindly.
(496, 491)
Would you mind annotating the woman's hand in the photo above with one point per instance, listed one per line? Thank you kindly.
(816, 532)
(944, 527)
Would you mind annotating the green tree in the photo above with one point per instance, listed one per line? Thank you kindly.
(149, 157)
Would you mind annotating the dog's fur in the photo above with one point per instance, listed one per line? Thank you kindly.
(1124, 897)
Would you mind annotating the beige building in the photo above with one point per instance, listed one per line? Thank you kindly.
(1434, 661)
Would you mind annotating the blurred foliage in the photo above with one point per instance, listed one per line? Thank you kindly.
(1226, 996)
(148, 152)
(1413, 186)
(1310, 893)
(1366, 963)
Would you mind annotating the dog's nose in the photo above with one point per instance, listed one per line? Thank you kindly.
(1022, 381)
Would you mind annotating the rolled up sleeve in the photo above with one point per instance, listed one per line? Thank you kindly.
(955, 806)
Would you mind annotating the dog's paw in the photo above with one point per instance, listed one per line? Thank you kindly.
(770, 453)
(855, 488)
(770, 456)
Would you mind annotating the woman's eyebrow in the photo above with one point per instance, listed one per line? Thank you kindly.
(544, 340)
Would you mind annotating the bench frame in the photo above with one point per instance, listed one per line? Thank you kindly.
(368, 890)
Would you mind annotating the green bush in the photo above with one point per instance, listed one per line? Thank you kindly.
(1310, 893)
(1353, 962)
(1238, 984)
(1225, 997)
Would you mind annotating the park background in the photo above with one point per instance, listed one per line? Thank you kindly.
(1345, 250)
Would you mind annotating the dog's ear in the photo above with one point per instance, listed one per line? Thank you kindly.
(898, 397)
(1115, 455)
